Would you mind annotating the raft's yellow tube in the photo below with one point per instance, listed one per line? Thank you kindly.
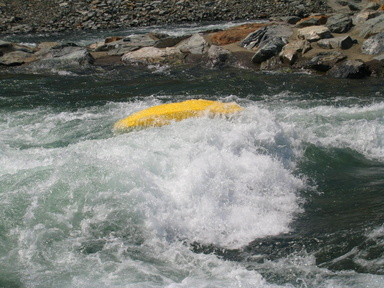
(166, 113)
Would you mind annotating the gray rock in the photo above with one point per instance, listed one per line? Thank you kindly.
(373, 45)
(218, 55)
(325, 60)
(344, 42)
(196, 44)
(263, 35)
(253, 39)
(354, 69)
(371, 27)
(270, 49)
(67, 56)
(339, 23)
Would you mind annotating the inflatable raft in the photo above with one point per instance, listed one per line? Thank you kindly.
(166, 113)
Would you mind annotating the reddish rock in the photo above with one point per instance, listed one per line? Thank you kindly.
(313, 20)
(112, 39)
(234, 34)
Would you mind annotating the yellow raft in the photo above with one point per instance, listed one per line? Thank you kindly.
(166, 113)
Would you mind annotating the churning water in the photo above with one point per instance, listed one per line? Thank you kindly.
(288, 193)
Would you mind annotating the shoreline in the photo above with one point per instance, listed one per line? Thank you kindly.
(343, 44)
(40, 16)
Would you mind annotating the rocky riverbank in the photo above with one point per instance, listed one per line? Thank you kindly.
(347, 43)
(25, 16)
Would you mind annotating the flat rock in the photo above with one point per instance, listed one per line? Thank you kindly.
(153, 55)
(314, 33)
(14, 58)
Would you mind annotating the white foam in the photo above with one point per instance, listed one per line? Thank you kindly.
(360, 128)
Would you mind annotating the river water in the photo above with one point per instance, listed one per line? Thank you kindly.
(288, 193)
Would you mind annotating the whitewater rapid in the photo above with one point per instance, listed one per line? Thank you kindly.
(83, 207)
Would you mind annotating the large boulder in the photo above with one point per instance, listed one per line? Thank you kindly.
(354, 69)
(196, 44)
(262, 36)
(314, 33)
(293, 50)
(373, 45)
(339, 23)
(270, 49)
(344, 42)
(325, 60)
